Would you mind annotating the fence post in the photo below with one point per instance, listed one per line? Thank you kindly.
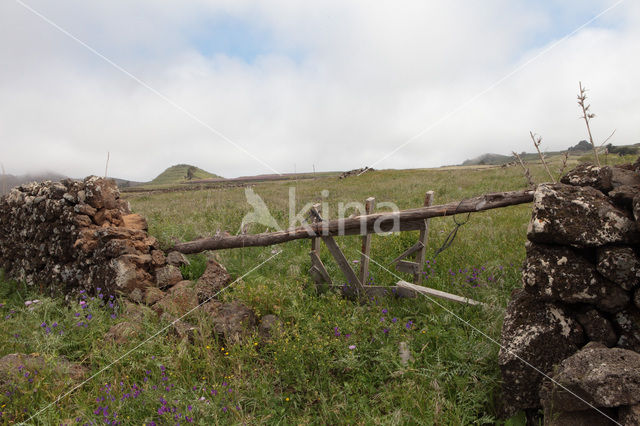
(424, 235)
(370, 204)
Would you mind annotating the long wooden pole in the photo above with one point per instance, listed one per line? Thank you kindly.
(408, 220)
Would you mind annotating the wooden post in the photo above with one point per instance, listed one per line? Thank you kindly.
(424, 235)
(339, 257)
(366, 244)
(437, 293)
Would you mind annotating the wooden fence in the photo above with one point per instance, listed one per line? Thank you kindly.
(366, 225)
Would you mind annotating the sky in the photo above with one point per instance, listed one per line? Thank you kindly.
(241, 87)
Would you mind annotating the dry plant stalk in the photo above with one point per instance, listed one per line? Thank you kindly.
(106, 167)
(527, 174)
(565, 158)
(586, 116)
(537, 142)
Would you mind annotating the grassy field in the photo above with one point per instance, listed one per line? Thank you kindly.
(335, 361)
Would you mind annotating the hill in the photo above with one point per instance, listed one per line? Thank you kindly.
(181, 173)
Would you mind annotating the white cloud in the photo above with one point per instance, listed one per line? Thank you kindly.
(339, 85)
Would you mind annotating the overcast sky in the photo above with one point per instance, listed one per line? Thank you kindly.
(241, 87)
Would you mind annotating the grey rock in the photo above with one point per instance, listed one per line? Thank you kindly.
(578, 216)
(234, 321)
(596, 327)
(601, 376)
(621, 265)
(588, 174)
(167, 276)
(627, 323)
(542, 334)
(559, 273)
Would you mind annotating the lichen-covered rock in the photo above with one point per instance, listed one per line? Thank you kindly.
(619, 264)
(542, 334)
(627, 323)
(559, 273)
(578, 216)
(596, 327)
(601, 376)
(623, 195)
(167, 276)
(214, 279)
(588, 174)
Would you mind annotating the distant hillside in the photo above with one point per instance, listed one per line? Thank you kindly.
(484, 159)
(181, 173)
(9, 181)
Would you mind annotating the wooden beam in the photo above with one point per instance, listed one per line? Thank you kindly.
(408, 252)
(424, 235)
(437, 293)
(408, 219)
(366, 244)
(317, 263)
(342, 262)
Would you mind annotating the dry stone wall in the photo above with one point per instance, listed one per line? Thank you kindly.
(78, 235)
(577, 317)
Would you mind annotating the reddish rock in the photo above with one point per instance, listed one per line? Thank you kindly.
(152, 295)
(214, 279)
(178, 301)
(134, 221)
(157, 258)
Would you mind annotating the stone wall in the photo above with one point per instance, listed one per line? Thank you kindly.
(579, 302)
(79, 235)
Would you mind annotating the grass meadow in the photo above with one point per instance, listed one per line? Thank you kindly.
(334, 362)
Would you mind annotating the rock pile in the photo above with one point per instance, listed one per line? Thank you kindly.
(577, 319)
(78, 235)
(356, 172)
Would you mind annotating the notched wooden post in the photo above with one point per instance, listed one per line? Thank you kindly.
(424, 235)
(370, 204)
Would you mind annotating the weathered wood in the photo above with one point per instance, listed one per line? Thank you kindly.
(342, 262)
(315, 242)
(366, 244)
(438, 293)
(317, 263)
(408, 252)
(424, 235)
(408, 219)
(407, 267)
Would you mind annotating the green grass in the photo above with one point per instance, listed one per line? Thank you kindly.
(308, 374)
(178, 174)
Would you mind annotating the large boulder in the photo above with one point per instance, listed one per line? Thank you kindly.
(599, 376)
(535, 334)
(559, 273)
(578, 216)
(619, 264)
